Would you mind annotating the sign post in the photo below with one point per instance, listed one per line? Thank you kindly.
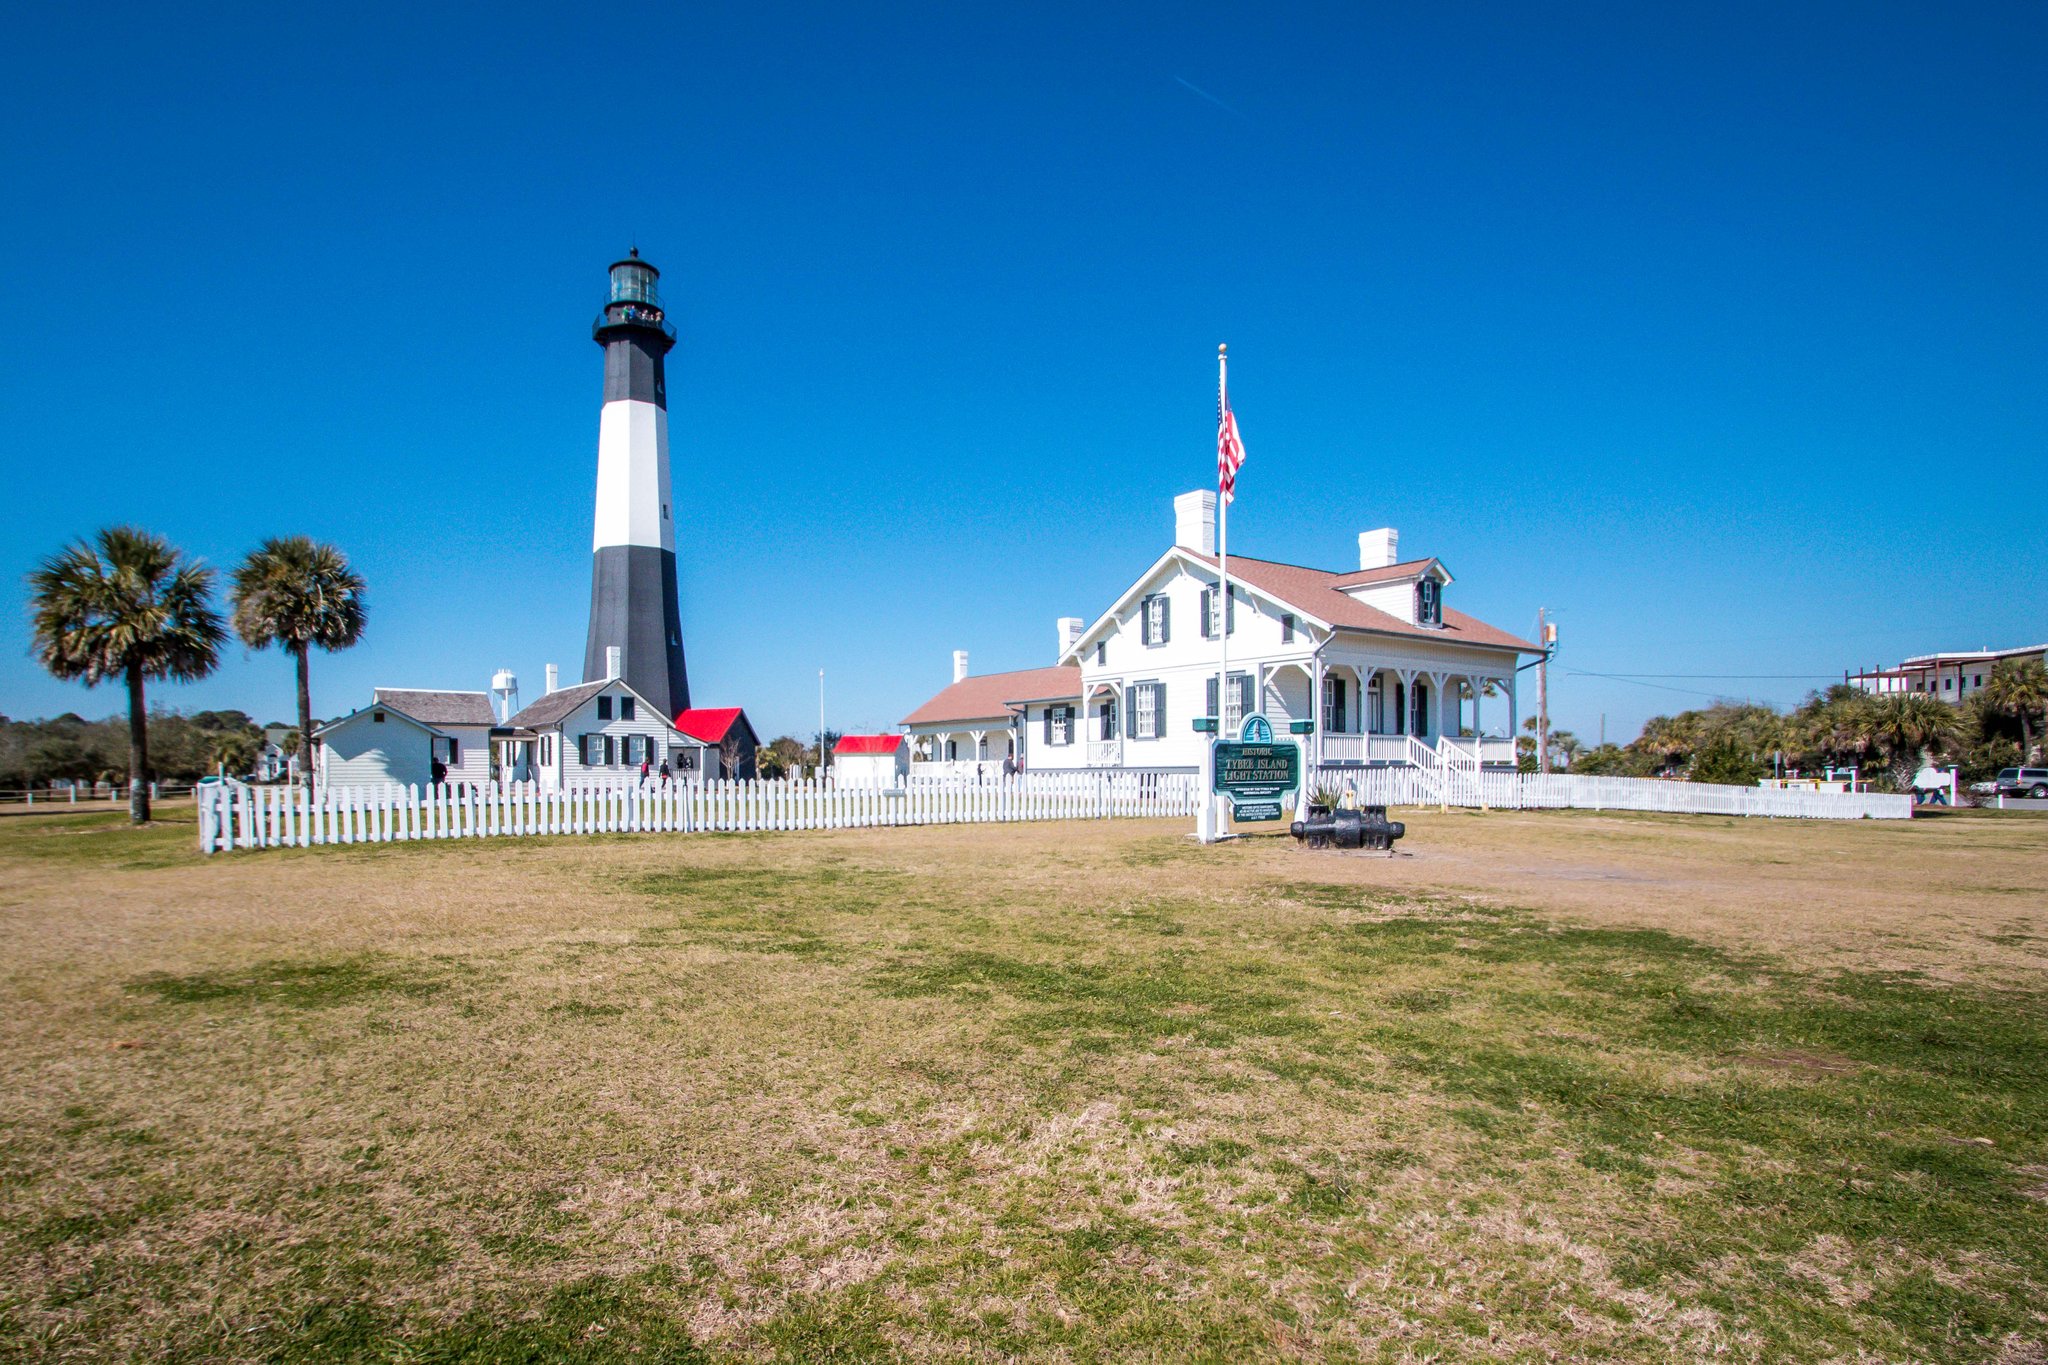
(1257, 773)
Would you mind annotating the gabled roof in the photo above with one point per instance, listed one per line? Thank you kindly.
(321, 728)
(868, 744)
(708, 723)
(1392, 573)
(990, 696)
(438, 708)
(1318, 596)
(557, 705)
(1319, 593)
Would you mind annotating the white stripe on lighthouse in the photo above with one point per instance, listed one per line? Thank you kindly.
(632, 476)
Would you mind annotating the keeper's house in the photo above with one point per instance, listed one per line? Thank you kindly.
(1373, 655)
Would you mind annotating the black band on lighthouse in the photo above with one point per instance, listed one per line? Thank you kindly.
(633, 367)
(633, 605)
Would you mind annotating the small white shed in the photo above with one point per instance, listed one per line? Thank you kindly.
(876, 761)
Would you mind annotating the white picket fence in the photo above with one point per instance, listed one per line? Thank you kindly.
(1493, 790)
(238, 816)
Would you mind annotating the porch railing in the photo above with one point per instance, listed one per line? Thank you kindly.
(1105, 753)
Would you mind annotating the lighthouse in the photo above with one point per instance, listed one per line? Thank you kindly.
(633, 606)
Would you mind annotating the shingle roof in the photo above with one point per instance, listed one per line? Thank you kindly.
(987, 697)
(707, 723)
(1316, 591)
(438, 708)
(556, 705)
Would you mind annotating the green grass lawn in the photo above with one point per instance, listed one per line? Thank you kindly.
(1076, 1092)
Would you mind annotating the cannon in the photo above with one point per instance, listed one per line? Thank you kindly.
(1366, 827)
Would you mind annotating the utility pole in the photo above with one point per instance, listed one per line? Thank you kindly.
(1543, 637)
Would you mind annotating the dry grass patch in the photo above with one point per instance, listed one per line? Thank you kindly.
(1063, 1092)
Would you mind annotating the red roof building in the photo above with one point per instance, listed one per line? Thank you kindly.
(729, 734)
(1371, 662)
(868, 744)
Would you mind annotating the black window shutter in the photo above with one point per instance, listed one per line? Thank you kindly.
(1048, 725)
(1209, 695)
(1230, 612)
(1208, 612)
(1165, 619)
(1159, 710)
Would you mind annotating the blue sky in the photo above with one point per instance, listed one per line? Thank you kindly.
(1720, 331)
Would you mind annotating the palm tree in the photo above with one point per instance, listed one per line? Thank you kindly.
(128, 605)
(296, 592)
(2018, 687)
(1904, 724)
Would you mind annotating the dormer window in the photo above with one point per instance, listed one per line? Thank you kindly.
(1429, 602)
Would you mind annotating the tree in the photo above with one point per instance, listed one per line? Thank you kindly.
(1726, 760)
(295, 592)
(128, 605)
(1906, 723)
(234, 752)
(2018, 688)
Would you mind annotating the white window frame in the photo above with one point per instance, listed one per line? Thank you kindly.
(1146, 705)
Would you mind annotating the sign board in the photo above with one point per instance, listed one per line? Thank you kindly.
(1256, 773)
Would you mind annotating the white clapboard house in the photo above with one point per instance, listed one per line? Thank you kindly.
(592, 734)
(1375, 656)
(410, 736)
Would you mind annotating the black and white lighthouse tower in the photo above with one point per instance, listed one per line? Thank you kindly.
(633, 577)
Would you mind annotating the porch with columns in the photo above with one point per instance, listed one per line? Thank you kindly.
(1379, 707)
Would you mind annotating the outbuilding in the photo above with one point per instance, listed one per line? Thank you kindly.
(871, 761)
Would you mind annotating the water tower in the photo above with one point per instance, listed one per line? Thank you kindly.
(505, 692)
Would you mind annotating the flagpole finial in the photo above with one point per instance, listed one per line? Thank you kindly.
(1221, 349)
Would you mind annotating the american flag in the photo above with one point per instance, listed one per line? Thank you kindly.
(1229, 453)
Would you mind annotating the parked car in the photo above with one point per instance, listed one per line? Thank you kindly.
(2023, 782)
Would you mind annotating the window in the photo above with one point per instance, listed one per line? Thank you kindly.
(981, 747)
(1102, 652)
(1286, 627)
(593, 750)
(1059, 725)
(1108, 716)
(377, 717)
(1240, 704)
(1333, 705)
(547, 749)
(625, 708)
(1375, 714)
(1947, 683)
(1209, 612)
(1148, 710)
(604, 708)
(1429, 603)
(1419, 722)
(1977, 680)
(1155, 620)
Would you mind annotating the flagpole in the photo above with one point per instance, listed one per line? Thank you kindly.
(1222, 550)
